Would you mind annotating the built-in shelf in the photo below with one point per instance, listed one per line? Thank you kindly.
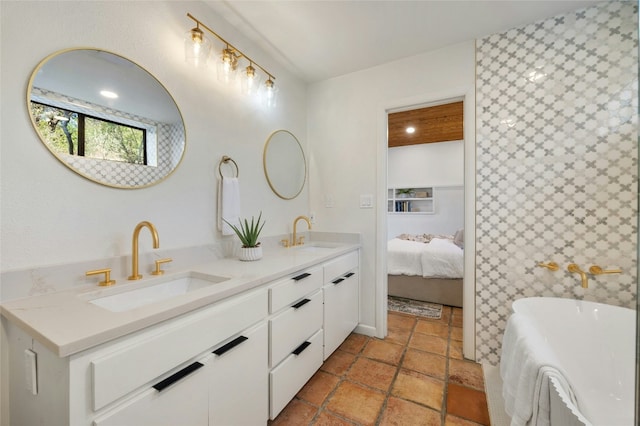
(410, 200)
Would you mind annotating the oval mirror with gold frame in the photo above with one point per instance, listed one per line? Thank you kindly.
(285, 165)
(106, 118)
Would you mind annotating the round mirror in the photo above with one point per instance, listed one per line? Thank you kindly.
(106, 118)
(284, 164)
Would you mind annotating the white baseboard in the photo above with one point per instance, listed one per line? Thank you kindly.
(367, 330)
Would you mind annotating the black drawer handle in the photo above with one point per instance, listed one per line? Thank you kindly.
(228, 346)
(350, 274)
(301, 348)
(338, 281)
(160, 386)
(301, 276)
(301, 303)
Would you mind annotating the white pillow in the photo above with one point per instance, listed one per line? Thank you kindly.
(458, 238)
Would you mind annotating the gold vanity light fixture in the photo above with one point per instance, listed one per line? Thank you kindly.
(196, 47)
(197, 51)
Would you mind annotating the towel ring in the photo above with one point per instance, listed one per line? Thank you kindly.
(225, 160)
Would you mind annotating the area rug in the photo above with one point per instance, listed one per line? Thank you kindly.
(415, 307)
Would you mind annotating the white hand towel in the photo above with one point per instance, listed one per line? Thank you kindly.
(228, 204)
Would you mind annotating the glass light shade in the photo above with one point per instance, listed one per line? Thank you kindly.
(250, 82)
(196, 48)
(227, 66)
(270, 93)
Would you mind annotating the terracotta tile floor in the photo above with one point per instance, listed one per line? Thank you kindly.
(415, 376)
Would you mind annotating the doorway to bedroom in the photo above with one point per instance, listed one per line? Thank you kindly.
(425, 207)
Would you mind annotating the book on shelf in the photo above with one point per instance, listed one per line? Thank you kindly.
(403, 206)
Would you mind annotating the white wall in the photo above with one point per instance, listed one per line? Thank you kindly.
(440, 165)
(49, 215)
(434, 164)
(447, 218)
(343, 134)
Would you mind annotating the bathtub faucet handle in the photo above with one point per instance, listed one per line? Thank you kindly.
(552, 266)
(597, 270)
(573, 268)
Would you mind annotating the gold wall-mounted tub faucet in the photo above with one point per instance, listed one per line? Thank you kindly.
(597, 270)
(134, 246)
(575, 269)
(552, 266)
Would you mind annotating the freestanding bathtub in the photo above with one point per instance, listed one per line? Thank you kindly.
(592, 347)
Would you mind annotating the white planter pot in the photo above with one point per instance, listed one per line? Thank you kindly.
(250, 253)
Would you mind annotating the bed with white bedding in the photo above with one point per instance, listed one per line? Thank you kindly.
(426, 267)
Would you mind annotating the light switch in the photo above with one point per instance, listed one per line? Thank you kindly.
(31, 371)
(366, 201)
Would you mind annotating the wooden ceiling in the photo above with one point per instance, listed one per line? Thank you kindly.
(439, 123)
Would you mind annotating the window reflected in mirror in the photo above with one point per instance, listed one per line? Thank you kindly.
(75, 133)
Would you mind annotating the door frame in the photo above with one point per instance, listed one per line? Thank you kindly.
(467, 94)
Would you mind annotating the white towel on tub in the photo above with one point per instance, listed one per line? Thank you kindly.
(228, 204)
(526, 366)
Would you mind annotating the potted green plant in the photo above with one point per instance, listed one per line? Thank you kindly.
(248, 234)
(404, 192)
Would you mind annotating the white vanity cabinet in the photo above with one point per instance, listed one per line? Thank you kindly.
(237, 361)
(117, 382)
(341, 300)
(295, 327)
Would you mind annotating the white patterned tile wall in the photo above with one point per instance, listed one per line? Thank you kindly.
(557, 162)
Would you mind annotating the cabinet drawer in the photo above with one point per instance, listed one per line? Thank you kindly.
(290, 327)
(340, 266)
(239, 382)
(153, 354)
(291, 375)
(293, 288)
(184, 402)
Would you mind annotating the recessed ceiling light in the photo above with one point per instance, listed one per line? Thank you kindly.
(108, 94)
(410, 130)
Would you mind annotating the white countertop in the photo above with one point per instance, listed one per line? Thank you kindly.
(67, 323)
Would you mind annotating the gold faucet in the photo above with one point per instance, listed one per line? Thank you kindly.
(134, 250)
(295, 222)
(597, 270)
(552, 266)
(573, 268)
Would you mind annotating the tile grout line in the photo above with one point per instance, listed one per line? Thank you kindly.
(359, 355)
(397, 372)
(341, 378)
(443, 412)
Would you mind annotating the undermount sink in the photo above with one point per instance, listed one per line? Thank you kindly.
(163, 289)
(317, 246)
